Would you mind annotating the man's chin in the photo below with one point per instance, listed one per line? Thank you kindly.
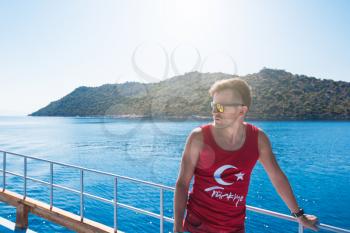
(220, 123)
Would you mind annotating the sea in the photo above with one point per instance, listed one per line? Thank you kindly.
(314, 155)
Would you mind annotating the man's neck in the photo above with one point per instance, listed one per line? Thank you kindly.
(232, 133)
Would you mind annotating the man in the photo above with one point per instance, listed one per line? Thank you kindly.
(221, 156)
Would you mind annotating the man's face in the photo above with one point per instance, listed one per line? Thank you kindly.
(231, 113)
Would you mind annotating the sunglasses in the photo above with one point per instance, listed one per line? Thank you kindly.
(221, 107)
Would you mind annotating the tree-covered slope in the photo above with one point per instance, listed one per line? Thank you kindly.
(276, 95)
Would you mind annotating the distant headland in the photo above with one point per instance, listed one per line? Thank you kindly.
(277, 95)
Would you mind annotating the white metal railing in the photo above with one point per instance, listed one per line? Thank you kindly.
(117, 204)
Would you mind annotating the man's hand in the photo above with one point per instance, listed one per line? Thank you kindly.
(309, 221)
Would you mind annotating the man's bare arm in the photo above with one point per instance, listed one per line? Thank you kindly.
(279, 179)
(188, 163)
(276, 175)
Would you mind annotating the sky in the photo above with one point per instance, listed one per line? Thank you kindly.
(49, 48)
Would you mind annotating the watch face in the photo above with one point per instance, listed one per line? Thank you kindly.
(299, 213)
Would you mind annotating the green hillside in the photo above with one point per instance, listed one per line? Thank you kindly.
(277, 95)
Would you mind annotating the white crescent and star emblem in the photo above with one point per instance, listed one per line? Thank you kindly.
(219, 192)
(220, 170)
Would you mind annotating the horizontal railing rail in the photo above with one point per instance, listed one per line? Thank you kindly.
(115, 202)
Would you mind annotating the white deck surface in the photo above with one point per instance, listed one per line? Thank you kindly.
(7, 226)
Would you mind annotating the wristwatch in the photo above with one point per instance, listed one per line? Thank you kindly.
(298, 214)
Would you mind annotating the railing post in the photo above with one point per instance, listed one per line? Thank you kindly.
(22, 216)
(300, 228)
(25, 177)
(51, 185)
(115, 204)
(161, 228)
(4, 171)
(81, 195)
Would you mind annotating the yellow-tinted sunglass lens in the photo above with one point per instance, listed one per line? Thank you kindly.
(220, 107)
(217, 107)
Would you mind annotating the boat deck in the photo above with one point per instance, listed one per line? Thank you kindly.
(6, 226)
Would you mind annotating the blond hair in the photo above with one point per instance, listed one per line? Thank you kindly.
(237, 85)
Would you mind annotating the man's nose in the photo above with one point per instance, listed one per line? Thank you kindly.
(216, 112)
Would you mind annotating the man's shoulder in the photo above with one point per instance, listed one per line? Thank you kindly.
(253, 126)
(261, 133)
(197, 133)
(263, 139)
(195, 140)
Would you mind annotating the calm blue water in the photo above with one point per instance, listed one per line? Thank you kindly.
(314, 156)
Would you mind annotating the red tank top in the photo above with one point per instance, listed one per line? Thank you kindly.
(217, 201)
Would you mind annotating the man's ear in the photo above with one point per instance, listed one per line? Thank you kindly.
(244, 110)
